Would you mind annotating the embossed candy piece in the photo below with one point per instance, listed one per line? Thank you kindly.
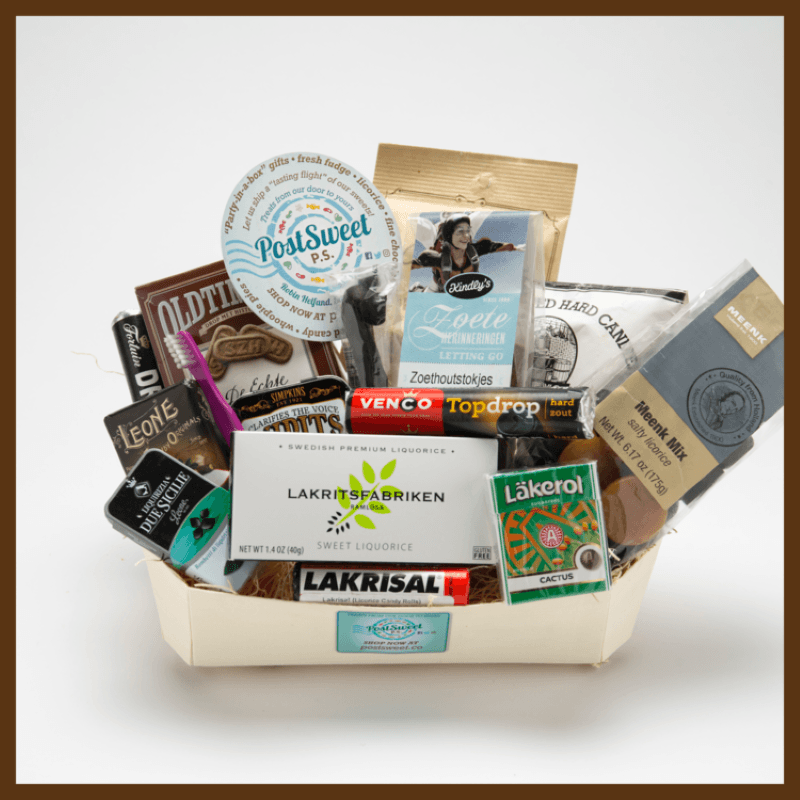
(254, 344)
(239, 348)
(278, 349)
(216, 367)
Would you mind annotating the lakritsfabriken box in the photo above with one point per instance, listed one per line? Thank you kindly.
(363, 498)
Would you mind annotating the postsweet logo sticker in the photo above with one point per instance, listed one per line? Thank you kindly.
(368, 632)
(291, 222)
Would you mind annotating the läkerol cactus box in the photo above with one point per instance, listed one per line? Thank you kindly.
(550, 532)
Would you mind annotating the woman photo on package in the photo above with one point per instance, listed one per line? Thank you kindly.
(473, 340)
(454, 252)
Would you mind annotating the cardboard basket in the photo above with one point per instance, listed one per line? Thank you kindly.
(210, 628)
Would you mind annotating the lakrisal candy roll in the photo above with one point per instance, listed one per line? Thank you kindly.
(382, 585)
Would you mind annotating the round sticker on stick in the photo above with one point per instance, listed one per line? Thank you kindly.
(291, 223)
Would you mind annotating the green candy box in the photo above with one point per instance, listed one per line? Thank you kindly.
(550, 531)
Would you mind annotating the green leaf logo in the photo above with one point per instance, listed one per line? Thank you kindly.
(366, 500)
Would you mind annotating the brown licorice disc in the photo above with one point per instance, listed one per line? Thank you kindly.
(595, 449)
(631, 514)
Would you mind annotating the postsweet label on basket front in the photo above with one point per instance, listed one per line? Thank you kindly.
(326, 497)
(368, 632)
(550, 530)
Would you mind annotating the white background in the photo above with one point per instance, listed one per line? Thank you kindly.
(131, 135)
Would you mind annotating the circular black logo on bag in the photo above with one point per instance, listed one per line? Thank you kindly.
(725, 407)
(469, 285)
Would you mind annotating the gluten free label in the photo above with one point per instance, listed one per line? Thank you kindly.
(290, 224)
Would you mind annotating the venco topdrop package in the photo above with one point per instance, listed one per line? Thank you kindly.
(383, 397)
